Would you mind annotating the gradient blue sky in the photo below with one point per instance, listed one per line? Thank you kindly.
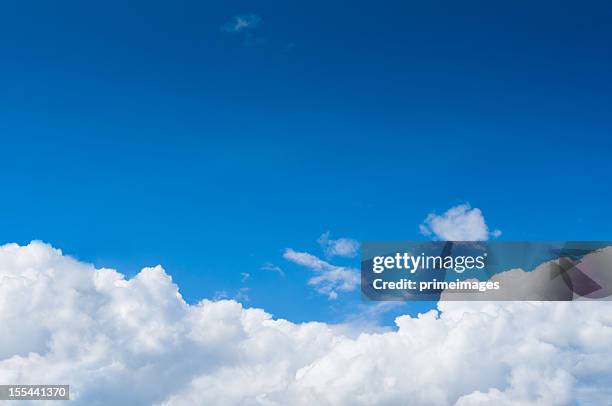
(136, 133)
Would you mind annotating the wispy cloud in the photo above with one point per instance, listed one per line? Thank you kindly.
(328, 279)
(268, 266)
(459, 223)
(220, 295)
(242, 23)
(244, 276)
(367, 316)
(342, 247)
(242, 295)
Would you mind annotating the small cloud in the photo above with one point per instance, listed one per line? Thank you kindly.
(242, 295)
(342, 247)
(268, 266)
(328, 279)
(459, 223)
(244, 276)
(220, 295)
(241, 23)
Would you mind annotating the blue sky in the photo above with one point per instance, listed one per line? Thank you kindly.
(137, 133)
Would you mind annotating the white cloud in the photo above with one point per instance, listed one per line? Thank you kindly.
(220, 295)
(243, 295)
(459, 223)
(342, 247)
(268, 266)
(329, 279)
(241, 23)
(137, 342)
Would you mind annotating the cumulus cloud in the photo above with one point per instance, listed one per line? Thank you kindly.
(241, 23)
(459, 223)
(342, 247)
(328, 279)
(137, 342)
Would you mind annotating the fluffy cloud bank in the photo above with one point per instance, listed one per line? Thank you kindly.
(136, 342)
(459, 223)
